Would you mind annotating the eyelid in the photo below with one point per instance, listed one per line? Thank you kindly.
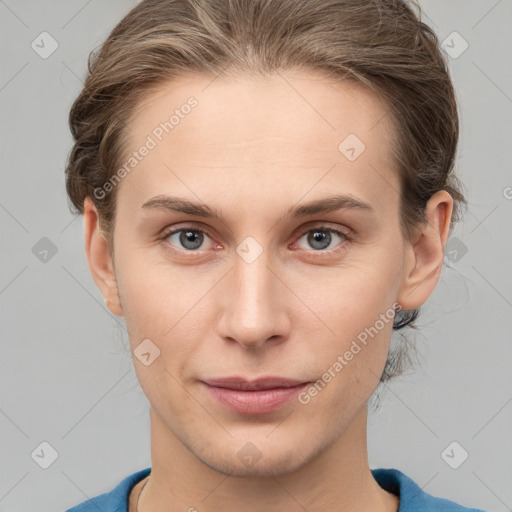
(192, 226)
(310, 226)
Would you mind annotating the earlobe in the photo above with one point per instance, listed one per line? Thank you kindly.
(99, 258)
(423, 258)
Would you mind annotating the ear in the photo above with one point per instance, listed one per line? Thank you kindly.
(99, 258)
(423, 258)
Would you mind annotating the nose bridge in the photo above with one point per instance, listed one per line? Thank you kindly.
(252, 313)
(253, 280)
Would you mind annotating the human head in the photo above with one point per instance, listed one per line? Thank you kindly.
(349, 39)
(353, 43)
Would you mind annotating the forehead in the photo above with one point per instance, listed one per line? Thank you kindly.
(293, 129)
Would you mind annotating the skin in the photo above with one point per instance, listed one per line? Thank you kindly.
(251, 149)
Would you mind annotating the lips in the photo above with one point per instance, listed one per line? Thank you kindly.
(253, 397)
(241, 384)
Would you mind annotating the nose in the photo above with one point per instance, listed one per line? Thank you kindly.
(254, 304)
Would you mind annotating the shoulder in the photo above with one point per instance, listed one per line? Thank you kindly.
(114, 501)
(412, 497)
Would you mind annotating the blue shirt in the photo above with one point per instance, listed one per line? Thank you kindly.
(412, 497)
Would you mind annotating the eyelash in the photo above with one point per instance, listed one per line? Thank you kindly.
(346, 236)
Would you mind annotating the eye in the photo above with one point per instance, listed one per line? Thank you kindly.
(321, 237)
(192, 239)
(186, 239)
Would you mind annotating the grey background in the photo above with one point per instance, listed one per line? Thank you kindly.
(66, 375)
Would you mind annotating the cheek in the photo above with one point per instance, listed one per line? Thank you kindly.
(159, 304)
(357, 307)
(158, 309)
(350, 371)
(153, 291)
(356, 298)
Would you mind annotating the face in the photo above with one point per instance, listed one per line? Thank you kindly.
(265, 287)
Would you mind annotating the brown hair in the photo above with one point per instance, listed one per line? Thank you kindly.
(380, 43)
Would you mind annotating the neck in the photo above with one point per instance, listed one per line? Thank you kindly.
(337, 479)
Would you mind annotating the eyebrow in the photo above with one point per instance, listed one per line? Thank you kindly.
(324, 205)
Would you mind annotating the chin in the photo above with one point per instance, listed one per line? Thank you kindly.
(265, 467)
(272, 460)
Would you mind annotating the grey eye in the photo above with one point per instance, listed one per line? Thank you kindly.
(321, 238)
(190, 239)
